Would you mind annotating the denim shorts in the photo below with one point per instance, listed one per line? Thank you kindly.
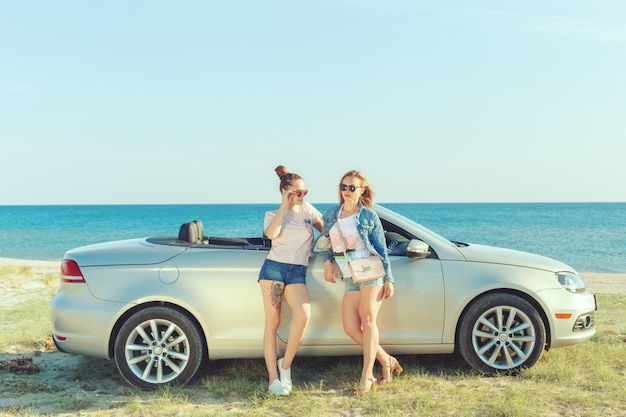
(351, 286)
(282, 272)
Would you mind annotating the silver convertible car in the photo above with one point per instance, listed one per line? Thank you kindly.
(160, 306)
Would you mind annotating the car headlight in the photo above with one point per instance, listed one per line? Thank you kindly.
(571, 282)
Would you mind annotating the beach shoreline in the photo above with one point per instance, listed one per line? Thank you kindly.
(597, 282)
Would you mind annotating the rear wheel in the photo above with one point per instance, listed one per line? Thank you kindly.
(158, 345)
(501, 332)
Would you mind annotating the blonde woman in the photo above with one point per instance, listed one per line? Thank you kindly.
(360, 234)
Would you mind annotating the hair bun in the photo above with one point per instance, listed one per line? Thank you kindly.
(281, 171)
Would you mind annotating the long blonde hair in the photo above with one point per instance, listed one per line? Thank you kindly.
(367, 196)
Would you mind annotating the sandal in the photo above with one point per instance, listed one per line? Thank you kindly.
(388, 370)
(365, 385)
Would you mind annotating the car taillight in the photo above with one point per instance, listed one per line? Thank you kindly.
(70, 271)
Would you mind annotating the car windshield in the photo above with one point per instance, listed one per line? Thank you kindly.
(395, 222)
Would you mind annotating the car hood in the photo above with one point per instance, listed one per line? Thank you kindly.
(123, 252)
(496, 255)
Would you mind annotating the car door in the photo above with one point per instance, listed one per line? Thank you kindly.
(413, 316)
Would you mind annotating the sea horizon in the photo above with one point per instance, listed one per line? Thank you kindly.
(589, 236)
(312, 202)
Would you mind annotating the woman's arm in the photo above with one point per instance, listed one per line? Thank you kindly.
(377, 239)
(273, 230)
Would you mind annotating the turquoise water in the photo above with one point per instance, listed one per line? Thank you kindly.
(591, 237)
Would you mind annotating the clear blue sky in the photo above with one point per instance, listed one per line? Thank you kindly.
(124, 102)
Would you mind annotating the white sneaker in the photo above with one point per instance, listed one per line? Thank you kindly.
(277, 388)
(285, 375)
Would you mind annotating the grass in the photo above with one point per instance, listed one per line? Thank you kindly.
(582, 380)
(24, 317)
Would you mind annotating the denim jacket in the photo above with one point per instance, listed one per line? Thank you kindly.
(370, 230)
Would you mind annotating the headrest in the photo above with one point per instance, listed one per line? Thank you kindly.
(192, 232)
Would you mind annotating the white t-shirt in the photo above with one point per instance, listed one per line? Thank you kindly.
(293, 243)
(352, 242)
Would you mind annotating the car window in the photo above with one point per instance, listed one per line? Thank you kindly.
(396, 239)
(396, 244)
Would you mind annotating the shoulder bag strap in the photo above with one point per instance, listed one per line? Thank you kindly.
(341, 234)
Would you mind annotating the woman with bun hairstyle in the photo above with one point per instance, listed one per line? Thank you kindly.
(290, 228)
(360, 234)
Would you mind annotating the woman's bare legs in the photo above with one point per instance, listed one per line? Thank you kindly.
(359, 315)
(298, 298)
(352, 324)
(272, 293)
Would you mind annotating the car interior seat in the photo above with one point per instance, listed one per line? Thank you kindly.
(191, 232)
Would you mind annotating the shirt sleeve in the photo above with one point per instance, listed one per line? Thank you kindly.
(269, 216)
(316, 216)
(378, 241)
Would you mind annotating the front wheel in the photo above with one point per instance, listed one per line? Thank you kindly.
(158, 345)
(501, 333)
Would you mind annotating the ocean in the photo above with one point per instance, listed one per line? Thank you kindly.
(591, 237)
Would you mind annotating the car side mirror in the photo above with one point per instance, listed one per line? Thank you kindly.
(417, 249)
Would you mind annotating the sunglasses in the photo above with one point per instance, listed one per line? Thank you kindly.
(350, 187)
(299, 193)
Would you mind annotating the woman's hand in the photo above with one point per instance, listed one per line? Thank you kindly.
(388, 290)
(329, 272)
(288, 197)
(275, 227)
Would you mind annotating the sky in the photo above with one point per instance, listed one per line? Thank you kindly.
(196, 102)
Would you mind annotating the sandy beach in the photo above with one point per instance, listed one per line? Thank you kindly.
(40, 267)
(598, 282)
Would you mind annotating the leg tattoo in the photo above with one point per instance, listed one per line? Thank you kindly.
(276, 295)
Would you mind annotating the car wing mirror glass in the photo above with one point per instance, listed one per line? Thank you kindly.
(417, 249)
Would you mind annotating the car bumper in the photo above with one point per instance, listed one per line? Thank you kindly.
(81, 323)
(573, 319)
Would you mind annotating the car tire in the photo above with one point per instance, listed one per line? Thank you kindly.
(501, 332)
(158, 345)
